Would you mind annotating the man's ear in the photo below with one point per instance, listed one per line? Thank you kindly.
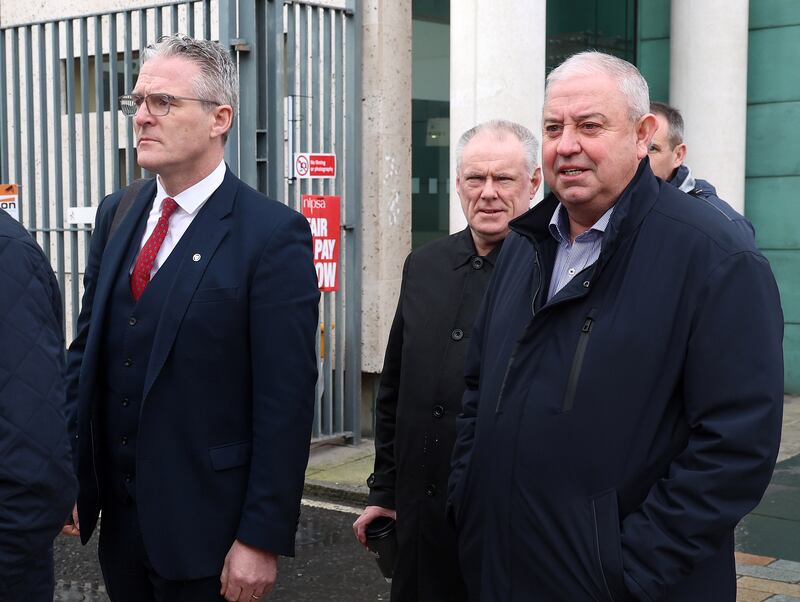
(645, 130)
(678, 155)
(536, 181)
(222, 120)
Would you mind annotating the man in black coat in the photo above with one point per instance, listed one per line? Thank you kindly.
(422, 380)
(37, 484)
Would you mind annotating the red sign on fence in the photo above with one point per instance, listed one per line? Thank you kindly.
(324, 217)
(314, 165)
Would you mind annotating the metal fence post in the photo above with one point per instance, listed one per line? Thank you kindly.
(353, 222)
(227, 34)
(276, 92)
(248, 94)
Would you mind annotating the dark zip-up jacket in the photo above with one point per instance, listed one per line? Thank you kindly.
(705, 191)
(612, 437)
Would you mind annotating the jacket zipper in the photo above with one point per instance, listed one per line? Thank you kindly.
(538, 282)
(577, 361)
(516, 346)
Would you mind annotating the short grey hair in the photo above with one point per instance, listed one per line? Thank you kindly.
(218, 79)
(629, 80)
(674, 121)
(501, 126)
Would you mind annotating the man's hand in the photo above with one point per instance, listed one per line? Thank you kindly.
(248, 573)
(72, 526)
(370, 514)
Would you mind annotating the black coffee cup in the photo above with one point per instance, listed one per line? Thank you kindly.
(382, 541)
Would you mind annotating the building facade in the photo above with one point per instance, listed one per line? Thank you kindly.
(429, 69)
(727, 65)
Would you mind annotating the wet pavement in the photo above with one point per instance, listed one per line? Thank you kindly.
(330, 564)
(773, 528)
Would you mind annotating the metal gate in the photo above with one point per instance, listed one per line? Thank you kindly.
(64, 143)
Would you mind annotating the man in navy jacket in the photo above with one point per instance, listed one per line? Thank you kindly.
(37, 484)
(667, 153)
(625, 377)
(194, 363)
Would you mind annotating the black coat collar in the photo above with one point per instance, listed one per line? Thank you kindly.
(464, 249)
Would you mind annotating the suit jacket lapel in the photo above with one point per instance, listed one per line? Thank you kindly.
(111, 260)
(117, 248)
(208, 230)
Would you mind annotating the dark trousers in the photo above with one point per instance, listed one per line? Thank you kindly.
(127, 571)
(32, 583)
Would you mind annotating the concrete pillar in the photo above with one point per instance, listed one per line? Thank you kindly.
(497, 70)
(708, 83)
(386, 168)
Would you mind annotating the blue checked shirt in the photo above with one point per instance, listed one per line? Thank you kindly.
(573, 257)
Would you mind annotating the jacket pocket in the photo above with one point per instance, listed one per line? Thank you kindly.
(608, 546)
(230, 455)
(577, 361)
(210, 295)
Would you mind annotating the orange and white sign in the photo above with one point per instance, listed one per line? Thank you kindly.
(9, 200)
(324, 216)
(314, 165)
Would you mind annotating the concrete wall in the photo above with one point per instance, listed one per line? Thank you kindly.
(15, 12)
(497, 63)
(708, 81)
(386, 168)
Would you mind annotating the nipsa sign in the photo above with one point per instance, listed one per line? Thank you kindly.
(324, 216)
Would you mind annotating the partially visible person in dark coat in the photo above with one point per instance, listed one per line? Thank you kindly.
(667, 154)
(625, 377)
(37, 483)
(423, 373)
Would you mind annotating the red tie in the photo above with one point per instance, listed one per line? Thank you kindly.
(147, 256)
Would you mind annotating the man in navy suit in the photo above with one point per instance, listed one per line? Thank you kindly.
(194, 363)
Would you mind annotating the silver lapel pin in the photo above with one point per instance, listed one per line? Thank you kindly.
(196, 257)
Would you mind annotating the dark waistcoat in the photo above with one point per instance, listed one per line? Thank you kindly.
(129, 330)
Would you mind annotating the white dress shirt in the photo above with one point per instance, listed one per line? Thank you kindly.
(189, 203)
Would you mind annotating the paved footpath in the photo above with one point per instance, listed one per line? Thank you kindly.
(767, 540)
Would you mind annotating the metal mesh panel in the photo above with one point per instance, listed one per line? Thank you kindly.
(64, 143)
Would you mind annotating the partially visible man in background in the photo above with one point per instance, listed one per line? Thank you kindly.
(667, 154)
(37, 483)
(423, 374)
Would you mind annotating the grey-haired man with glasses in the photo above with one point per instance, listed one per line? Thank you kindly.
(193, 368)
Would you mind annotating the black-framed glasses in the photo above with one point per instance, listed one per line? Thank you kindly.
(157, 104)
